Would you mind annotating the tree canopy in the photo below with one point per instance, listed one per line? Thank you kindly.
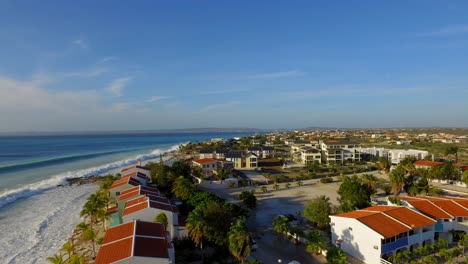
(318, 211)
(354, 194)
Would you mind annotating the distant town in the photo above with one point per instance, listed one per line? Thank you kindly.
(304, 196)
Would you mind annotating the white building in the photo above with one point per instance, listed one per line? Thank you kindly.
(137, 169)
(340, 152)
(379, 231)
(136, 242)
(310, 155)
(397, 155)
(122, 184)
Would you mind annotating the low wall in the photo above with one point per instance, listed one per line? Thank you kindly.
(227, 183)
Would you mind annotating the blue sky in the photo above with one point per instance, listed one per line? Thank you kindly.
(110, 65)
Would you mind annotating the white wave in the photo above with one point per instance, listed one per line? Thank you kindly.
(10, 196)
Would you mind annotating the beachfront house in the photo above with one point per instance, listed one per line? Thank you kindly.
(243, 160)
(147, 207)
(377, 232)
(137, 169)
(136, 242)
(122, 184)
(142, 178)
(208, 166)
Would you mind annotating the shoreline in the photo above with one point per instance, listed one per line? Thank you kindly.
(83, 248)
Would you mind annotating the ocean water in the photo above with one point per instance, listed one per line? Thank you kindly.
(36, 216)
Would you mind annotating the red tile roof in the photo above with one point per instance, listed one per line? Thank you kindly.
(144, 202)
(206, 160)
(428, 208)
(137, 191)
(137, 238)
(389, 221)
(124, 181)
(427, 163)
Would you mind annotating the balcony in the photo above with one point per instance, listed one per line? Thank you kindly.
(439, 227)
(389, 247)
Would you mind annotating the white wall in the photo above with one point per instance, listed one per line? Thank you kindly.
(217, 185)
(358, 242)
(145, 260)
(149, 214)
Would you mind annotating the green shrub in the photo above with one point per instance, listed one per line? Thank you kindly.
(326, 180)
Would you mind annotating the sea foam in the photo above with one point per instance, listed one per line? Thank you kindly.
(9, 196)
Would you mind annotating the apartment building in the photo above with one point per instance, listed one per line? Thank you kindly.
(340, 152)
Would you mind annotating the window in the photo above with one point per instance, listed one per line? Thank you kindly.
(117, 193)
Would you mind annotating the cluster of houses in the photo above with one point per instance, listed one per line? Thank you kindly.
(308, 152)
(376, 232)
(211, 160)
(133, 236)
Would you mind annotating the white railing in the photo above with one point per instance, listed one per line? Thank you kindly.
(383, 261)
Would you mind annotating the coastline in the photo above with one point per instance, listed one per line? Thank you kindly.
(83, 248)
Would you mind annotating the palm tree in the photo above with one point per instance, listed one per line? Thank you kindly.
(429, 260)
(447, 255)
(452, 150)
(221, 175)
(196, 226)
(68, 248)
(183, 188)
(397, 179)
(161, 218)
(240, 240)
(90, 235)
(75, 259)
(56, 259)
(383, 164)
(281, 224)
(315, 242)
(463, 242)
(370, 181)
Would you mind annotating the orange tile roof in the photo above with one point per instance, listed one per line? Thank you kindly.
(384, 225)
(427, 163)
(135, 208)
(430, 209)
(119, 232)
(389, 221)
(137, 238)
(124, 181)
(115, 251)
(205, 160)
(136, 201)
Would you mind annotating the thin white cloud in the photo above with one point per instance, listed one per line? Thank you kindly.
(106, 59)
(275, 75)
(156, 98)
(116, 86)
(80, 43)
(446, 31)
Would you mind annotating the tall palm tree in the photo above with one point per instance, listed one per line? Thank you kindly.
(383, 164)
(240, 240)
(452, 150)
(196, 226)
(397, 179)
(370, 181)
(56, 259)
(68, 248)
(183, 188)
(90, 235)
